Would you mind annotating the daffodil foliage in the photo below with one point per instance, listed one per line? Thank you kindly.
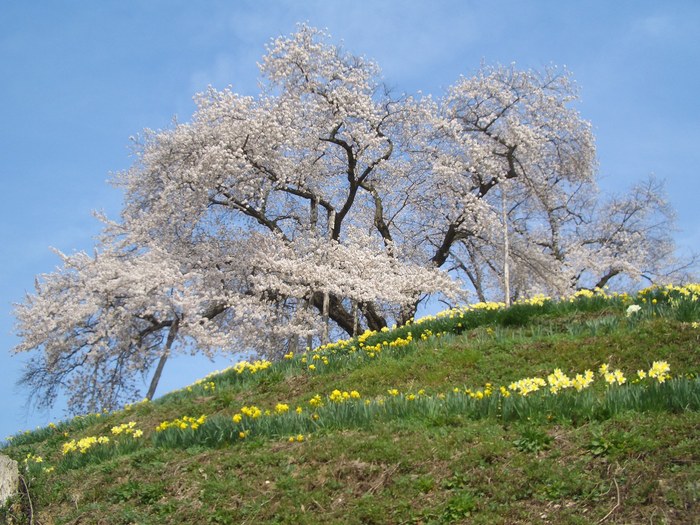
(327, 197)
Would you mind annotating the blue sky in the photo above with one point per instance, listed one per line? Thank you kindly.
(80, 77)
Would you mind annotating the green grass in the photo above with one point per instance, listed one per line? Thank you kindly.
(615, 454)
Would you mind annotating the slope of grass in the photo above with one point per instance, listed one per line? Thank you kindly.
(420, 424)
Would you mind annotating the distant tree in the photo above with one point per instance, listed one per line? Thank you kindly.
(583, 242)
(631, 236)
(326, 205)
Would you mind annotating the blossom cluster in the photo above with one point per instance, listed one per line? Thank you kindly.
(632, 310)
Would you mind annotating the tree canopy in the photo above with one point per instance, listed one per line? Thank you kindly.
(329, 201)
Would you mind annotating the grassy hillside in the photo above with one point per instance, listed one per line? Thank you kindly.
(531, 414)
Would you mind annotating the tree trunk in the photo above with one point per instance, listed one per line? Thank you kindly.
(172, 334)
(604, 280)
(374, 321)
(408, 312)
(343, 318)
(506, 249)
(325, 337)
(355, 319)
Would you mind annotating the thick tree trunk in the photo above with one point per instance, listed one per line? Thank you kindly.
(452, 235)
(172, 334)
(506, 250)
(343, 318)
(325, 337)
(374, 321)
(335, 311)
(408, 312)
(355, 319)
(605, 278)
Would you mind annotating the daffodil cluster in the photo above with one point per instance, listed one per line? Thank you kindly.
(207, 386)
(127, 429)
(84, 444)
(689, 291)
(588, 294)
(182, 423)
(558, 381)
(252, 368)
(31, 458)
(582, 381)
(427, 334)
(461, 311)
(660, 371)
(338, 396)
(612, 376)
(316, 401)
(252, 412)
(371, 342)
(527, 385)
(281, 408)
(347, 407)
(34, 463)
(473, 394)
(242, 367)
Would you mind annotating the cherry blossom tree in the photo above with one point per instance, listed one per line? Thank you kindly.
(325, 148)
(328, 204)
